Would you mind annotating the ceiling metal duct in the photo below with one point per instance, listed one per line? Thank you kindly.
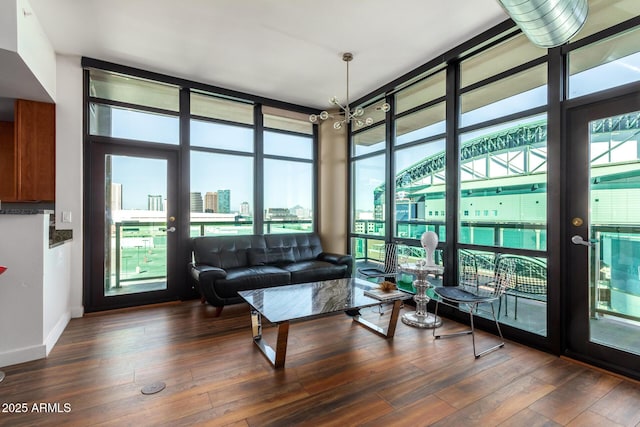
(547, 23)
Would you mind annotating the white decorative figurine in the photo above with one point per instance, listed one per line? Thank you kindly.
(429, 241)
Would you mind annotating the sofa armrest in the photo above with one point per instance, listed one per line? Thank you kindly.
(206, 273)
(338, 259)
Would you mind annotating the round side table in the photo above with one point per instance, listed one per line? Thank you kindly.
(421, 318)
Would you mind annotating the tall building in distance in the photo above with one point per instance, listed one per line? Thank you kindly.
(116, 197)
(154, 202)
(211, 202)
(244, 209)
(224, 201)
(196, 201)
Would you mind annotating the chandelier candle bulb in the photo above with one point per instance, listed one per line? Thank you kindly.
(347, 115)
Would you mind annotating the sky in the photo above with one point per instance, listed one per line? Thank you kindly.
(290, 183)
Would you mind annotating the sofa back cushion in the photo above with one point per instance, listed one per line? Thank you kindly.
(225, 251)
(240, 251)
(303, 246)
(267, 256)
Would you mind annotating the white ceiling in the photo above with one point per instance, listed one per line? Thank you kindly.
(290, 50)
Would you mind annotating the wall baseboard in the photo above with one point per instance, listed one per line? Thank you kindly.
(77, 312)
(22, 355)
(57, 330)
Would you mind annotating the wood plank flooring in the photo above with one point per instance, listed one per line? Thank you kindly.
(337, 373)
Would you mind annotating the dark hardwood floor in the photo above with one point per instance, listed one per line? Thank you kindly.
(336, 373)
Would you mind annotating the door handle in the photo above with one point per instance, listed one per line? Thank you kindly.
(171, 230)
(578, 240)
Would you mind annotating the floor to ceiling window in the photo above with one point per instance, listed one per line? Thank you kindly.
(221, 199)
(289, 172)
(368, 193)
(466, 152)
(503, 181)
(168, 159)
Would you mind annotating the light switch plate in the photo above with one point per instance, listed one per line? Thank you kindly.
(66, 216)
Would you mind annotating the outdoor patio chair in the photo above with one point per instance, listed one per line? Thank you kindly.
(464, 296)
(530, 281)
(386, 270)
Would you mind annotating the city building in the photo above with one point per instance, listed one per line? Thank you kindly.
(155, 202)
(244, 209)
(195, 202)
(211, 202)
(116, 196)
(224, 201)
(279, 214)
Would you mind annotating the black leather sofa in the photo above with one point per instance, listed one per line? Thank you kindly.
(224, 265)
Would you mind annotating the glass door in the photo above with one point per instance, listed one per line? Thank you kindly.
(133, 221)
(603, 234)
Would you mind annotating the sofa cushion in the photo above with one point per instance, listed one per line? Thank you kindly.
(266, 256)
(225, 252)
(254, 277)
(313, 271)
(305, 246)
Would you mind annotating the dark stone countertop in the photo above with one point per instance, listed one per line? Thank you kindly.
(24, 211)
(58, 237)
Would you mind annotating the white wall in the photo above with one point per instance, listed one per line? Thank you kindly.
(8, 25)
(35, 49)
(21, 287)
(34, 291)
(56, 288)
(69, 168)
(27, 59)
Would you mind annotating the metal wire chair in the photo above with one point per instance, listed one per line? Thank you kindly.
(530, 281)
(387, 269)
(464, 295)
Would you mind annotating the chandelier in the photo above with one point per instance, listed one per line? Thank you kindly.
(347, 115)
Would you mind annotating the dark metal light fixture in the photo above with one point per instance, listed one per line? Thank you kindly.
(347, 114)
(547, 23)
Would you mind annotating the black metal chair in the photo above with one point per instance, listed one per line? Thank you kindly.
(388, 269)
(468, 270)
(530, 281)
(471, 294)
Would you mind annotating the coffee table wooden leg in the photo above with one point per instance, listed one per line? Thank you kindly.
(393, 321)
(277, 356)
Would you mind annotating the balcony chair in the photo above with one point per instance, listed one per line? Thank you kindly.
(468, 270)
(471, 294)
(386, 270)
(530, 281)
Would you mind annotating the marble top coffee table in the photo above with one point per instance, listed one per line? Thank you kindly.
(283, 304)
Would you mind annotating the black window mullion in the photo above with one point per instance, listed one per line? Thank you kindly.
(130, 106)
(452, 174)
(184, 179)
(390, 171)
(258, 168)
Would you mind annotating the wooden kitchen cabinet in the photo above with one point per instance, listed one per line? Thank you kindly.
(8, 185)
(34, 154)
